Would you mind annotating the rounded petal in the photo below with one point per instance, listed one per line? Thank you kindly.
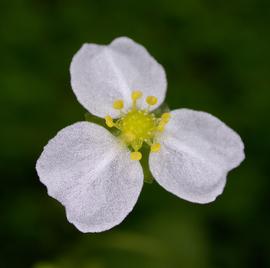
(197, 151)
(102, 74)
(91, 174)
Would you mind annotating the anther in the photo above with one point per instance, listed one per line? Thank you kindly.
(151, 100)
(155, 147)
(166, 117)
(118, 104)
(109, 121)
(136, 156)
(136, 94)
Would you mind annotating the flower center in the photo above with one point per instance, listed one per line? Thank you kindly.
(138, 125)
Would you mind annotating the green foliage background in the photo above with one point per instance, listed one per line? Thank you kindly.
(216, 55)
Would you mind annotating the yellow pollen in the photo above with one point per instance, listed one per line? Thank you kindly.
(109, 121)
(138, 126)
(136, 94)
(151, 100)
(135, 156)
(155, 147)
(118, 104)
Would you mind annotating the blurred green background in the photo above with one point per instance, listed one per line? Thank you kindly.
(217, 59)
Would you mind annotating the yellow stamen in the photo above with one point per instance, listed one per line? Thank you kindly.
(151, 100)
(135, 156)
(118, 104)
(136, 94)
(166, 117)
(136, 144)
(155, 147)
(163, 121)
(161, 125)
(109, 121)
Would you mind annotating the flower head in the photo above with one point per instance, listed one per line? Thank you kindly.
(97, 175)
(138, 126)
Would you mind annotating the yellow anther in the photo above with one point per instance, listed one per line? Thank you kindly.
(118, 104)
(136, 94)
(151, 100)
(135, 156)
(109, 121)
(155, 147)
(166, 117)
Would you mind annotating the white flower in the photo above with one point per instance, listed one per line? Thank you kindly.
(95, 175)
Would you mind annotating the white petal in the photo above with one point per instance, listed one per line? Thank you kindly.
(197, 152)
(101, 74)
(91, 174)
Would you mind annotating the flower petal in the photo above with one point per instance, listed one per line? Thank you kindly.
(101, 74)
(91, 174)
(197, 152)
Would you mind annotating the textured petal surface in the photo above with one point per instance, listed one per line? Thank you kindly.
(197, 152)
(101, 74)
(91, 174)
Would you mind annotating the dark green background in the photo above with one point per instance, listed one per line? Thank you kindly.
(216, 55)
